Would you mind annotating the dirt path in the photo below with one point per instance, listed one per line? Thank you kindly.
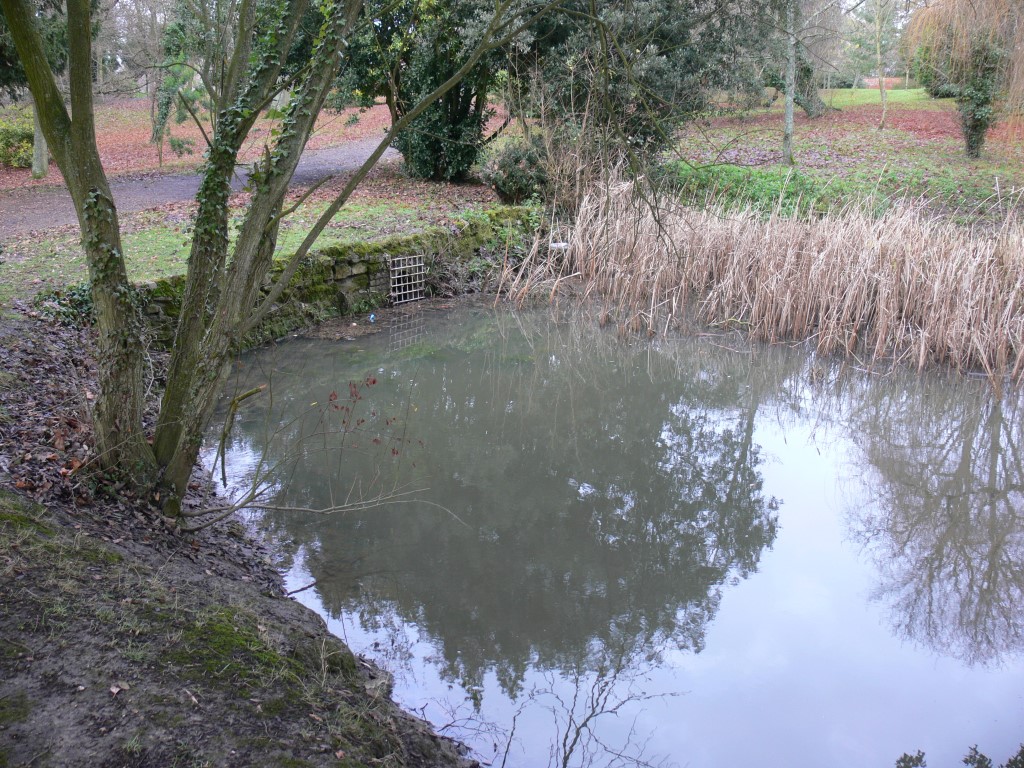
(36, 208)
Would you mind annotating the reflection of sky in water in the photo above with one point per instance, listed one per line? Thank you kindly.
(800, 664)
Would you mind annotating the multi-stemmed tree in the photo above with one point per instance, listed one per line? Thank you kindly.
(225, 293)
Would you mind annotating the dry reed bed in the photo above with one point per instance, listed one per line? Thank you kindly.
(897, 285)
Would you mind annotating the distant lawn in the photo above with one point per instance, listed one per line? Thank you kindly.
(843, 158)
(912, 98)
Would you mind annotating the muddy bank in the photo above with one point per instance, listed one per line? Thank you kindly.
(125, 644)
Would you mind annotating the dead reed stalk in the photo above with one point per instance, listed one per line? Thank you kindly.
(900, 285)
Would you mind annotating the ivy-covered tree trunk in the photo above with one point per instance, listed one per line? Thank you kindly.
(118, 406)
(807, 96)
(970, 50)
(805, 89)
(224, 294)
(976, 97)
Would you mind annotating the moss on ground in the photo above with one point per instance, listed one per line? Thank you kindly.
(14, 708)
(224, 644)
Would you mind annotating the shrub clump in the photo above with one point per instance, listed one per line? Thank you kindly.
(16, 135)
(516, 171)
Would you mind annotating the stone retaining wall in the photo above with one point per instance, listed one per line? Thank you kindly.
(340, 279)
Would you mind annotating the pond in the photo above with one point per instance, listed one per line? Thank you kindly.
(571, 549)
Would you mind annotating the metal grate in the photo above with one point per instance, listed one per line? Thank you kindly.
(408, 275)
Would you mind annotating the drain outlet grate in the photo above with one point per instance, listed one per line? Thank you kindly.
(408, 277)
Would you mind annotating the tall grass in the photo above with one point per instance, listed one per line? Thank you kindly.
(898, 285)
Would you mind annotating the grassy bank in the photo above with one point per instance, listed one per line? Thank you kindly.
(157, 241)
(120, 649)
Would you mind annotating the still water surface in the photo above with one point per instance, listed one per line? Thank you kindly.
(692, 553)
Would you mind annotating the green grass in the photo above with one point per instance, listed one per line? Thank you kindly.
(771, 188)
(225, 644)
(902, 98)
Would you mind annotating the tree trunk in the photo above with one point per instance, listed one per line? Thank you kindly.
(40, 152)
(807, 96)
(879, 63)
(787, 131)
(117, 413)
(219, 296)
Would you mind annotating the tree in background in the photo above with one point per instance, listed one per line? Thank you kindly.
(413, 47)
(608, 84)
(971, 48)
(862, 36)
(809, 29)
(874, 35)
(128, 50)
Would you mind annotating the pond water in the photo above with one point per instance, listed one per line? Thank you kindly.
(575, 550)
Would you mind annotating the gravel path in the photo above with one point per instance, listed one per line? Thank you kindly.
(35, 208)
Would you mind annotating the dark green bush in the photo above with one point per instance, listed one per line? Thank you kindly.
(16, 134)
(440, 146)
(516, 170)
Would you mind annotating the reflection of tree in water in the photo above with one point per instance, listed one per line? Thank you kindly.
(604, 493)
(947, 518)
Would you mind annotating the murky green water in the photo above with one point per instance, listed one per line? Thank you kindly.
(595, 552)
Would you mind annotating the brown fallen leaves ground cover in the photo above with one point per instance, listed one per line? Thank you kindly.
(844, 157)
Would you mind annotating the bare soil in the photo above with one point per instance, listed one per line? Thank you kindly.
(125, 643)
